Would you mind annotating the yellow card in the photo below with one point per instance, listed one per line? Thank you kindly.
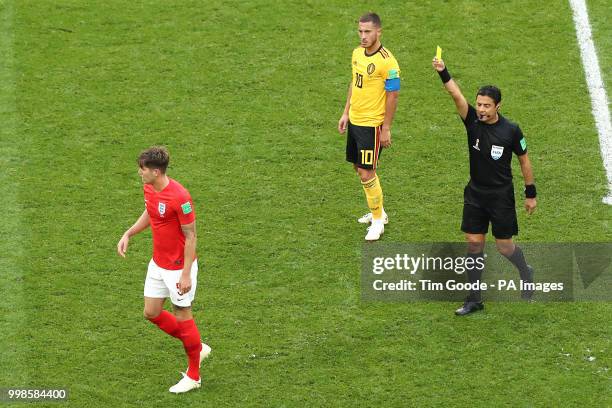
(438, 53)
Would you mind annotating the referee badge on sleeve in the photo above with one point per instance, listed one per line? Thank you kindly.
(496, 151)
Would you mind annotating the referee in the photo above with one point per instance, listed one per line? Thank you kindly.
(489, 195)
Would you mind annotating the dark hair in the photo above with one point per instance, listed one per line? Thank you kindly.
(371, 18)
(491, 91)
(155, 157)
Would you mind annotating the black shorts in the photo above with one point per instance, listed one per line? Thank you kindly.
(484, 205)
(363, 145)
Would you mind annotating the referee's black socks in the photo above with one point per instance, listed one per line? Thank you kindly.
(474, 275)
(518, 259)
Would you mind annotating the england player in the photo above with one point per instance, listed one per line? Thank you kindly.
(173, 270)
(489, 195)
(368, 115)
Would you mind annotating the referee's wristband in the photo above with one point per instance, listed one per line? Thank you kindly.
(444, 75)
(530, 191)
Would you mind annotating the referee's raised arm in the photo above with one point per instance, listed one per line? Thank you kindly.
(452, 87)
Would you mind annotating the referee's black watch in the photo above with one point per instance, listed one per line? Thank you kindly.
(530, 191)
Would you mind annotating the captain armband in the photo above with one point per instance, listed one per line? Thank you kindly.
(392, 83)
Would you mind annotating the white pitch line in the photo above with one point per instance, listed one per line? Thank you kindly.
(599, 100)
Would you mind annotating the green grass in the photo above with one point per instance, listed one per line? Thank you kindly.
(13, 230)
(246, 96)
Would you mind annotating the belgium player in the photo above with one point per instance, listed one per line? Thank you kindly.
(368, 115)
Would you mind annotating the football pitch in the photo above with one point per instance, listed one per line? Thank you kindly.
(246, 96)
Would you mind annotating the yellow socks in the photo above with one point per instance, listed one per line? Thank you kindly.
(374, 195)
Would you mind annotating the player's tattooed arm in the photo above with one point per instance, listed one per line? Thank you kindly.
(189, 230)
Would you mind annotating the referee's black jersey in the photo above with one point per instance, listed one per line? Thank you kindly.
(491, 148)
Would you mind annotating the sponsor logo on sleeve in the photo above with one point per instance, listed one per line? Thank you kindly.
(186, 207)
(393, 73)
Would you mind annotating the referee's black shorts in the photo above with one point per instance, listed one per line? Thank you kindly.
(363, 145)
(493, 204)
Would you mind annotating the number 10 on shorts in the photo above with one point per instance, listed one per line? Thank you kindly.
(367, 156)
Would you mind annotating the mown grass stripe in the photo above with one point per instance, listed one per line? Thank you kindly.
(12, 372)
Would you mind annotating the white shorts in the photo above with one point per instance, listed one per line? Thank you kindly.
(162, 283)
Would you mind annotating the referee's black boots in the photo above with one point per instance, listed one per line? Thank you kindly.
(527, 294)
(469, 307)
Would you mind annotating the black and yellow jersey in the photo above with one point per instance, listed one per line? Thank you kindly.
(373, 76)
